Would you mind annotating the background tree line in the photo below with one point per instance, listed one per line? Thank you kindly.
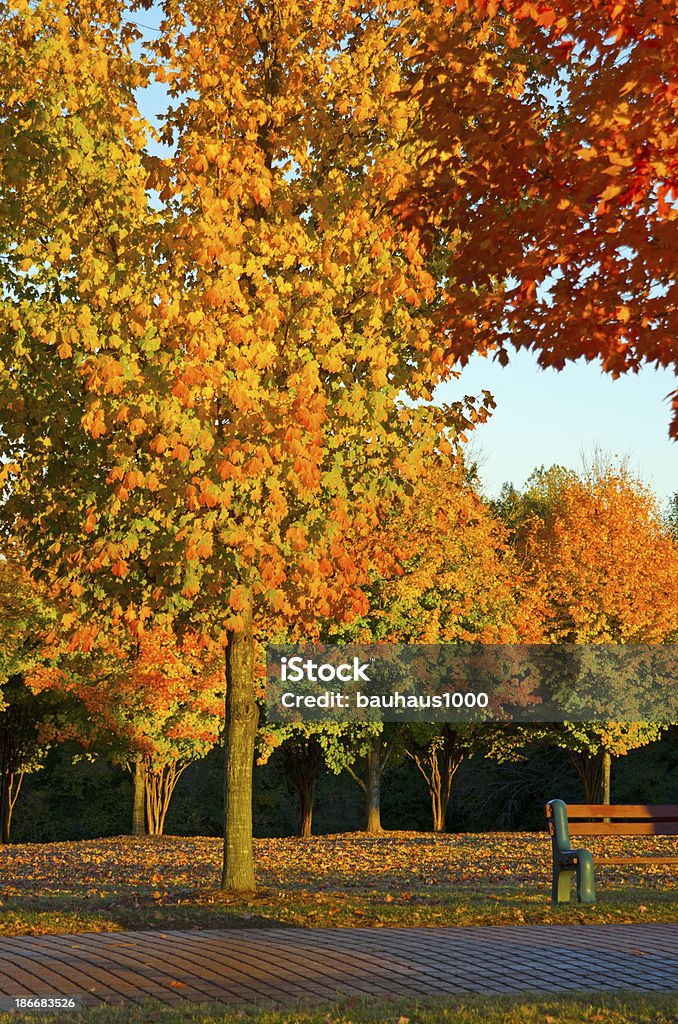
(573, 558)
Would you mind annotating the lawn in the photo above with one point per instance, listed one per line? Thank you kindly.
(622, 1009)
(348, 880)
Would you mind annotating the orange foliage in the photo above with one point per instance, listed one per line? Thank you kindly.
(607, 566)
(553, 171)
(447, 573)
(156, 697)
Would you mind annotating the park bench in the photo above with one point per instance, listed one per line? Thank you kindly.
(601, 820)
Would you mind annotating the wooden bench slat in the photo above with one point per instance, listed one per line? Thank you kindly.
(623, 828)
(636, 860)
(642, 811)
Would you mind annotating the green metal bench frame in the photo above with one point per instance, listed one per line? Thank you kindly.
(566, 861)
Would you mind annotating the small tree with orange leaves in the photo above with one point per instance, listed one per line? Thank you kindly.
(153, 705)
(607, 568)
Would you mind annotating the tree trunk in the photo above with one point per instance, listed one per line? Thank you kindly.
(5, 810)
(242, 715)
(438, 812)
(438, 761)
(590, 770)
(606, 771)
(373, 787)
(306, 798)
(435, 788)
(450, 764)
(438, 766)
(139, 784)
(15, 780)
(152, 790)
(302, 756)
(161, 781)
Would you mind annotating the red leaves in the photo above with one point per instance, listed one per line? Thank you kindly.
(520, 183)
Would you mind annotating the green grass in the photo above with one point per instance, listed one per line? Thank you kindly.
(618, 1009)
(398, 879)
(272, 909)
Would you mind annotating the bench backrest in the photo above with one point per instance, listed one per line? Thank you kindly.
(623, 819)
(608, 820)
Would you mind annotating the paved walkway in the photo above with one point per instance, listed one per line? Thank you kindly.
(280, 965)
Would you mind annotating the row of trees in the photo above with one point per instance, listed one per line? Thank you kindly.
(218, 355)
(576, 559)
(570, 559)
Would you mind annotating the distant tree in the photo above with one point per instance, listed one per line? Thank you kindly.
(302, 756)
(456, 580)
(363, 751)
(672, 516)
(438, 752)
(153, 705)
(607, 569)
(522, 511)
(608, 564)
(366, 753)
(22, 745)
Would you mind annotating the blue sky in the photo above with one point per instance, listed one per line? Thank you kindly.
(545, 417)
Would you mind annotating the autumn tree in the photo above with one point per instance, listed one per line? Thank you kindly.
(224, 336)
(365, 752)
(551, 174)
(302, 757)
(181, 686)
(608, 571)
(608, 562)
(362, 750)
(153, 705)
(455, 580)
(23, 746)
(438, 752)
(452, 578)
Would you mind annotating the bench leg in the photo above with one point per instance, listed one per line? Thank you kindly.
(560, 887)
(586, 884)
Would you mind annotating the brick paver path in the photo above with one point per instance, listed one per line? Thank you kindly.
(283, 964)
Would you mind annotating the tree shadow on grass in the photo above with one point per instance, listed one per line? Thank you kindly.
(270, 908)
(41, 915)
